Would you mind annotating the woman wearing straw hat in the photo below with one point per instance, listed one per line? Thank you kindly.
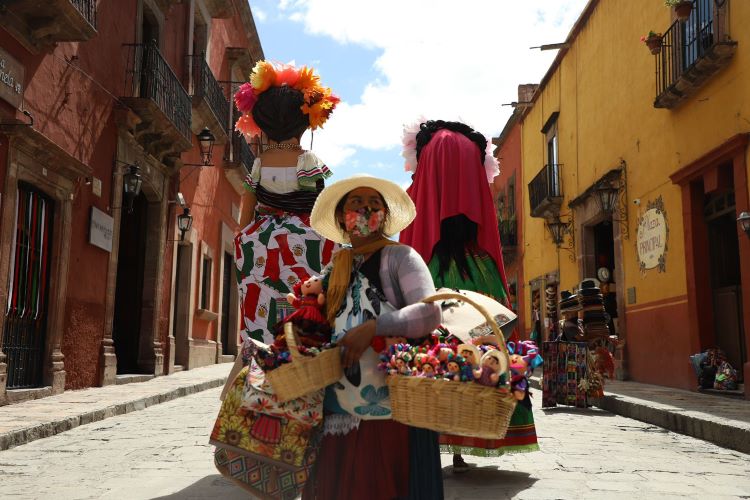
(374, 289)
(456, 233)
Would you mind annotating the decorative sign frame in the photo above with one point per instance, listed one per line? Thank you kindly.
(653, 230)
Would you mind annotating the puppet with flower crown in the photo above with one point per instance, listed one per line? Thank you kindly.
(277, 250)
(456, 233)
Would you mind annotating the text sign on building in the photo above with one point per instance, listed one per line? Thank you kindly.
(101, 229)
(652, 237)
(11, 80)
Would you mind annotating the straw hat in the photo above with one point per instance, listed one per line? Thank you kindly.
(401, 210)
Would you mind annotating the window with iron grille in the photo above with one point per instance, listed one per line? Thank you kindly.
(206, 284)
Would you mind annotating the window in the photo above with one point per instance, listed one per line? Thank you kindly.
(697, 32)
(550, 136)
(206, 284)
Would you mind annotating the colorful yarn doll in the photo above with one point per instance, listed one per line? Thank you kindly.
(453, 367)
(489, 372)
(519, 368)
(470, 353)
(430, 367)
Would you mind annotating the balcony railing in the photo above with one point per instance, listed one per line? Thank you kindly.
(149, 78)
(87, 8)
(691, 52)
(38, 26)
(508, 233)
(206, 87)
(545, 191)
(241, 153)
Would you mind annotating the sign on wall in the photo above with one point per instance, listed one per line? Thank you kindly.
(101, 229)
(652, 237)
(11, 80)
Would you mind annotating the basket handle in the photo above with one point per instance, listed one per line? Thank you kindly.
(490, 320)
(291, 341)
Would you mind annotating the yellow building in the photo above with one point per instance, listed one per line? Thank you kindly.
(637, 164)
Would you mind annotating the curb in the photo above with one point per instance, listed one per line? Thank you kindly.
(47, 429)
(720, 434)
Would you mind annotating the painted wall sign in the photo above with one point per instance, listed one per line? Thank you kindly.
(652, 237)
(11, 80)
(101, 230)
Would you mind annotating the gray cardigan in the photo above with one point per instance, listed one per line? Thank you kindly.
(406, 281)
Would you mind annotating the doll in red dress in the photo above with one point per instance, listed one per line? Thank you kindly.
(311, 324)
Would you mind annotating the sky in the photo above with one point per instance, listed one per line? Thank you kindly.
(392, 62)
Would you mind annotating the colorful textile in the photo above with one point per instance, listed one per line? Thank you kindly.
(484, 278)
(449, 181)
(261, 479)
(368, 463)
(275, 440)
(310, 169)
(258, 396)
(565, 367)
(272, 254)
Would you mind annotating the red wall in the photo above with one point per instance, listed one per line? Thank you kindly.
(658, 343)
(509, 155)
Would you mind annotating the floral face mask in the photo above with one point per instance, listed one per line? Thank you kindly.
(363, 222)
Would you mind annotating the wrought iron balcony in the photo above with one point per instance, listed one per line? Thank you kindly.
(156, 95)
(545, 191)
(508, 234)
(210, 106)
(39, 25)
(238, 161)
(691, 52)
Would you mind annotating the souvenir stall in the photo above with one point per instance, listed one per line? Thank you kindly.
(577, 361)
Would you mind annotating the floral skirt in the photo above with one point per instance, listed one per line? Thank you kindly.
(272, 254)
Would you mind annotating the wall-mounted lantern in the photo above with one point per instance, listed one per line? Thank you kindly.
(131, 183)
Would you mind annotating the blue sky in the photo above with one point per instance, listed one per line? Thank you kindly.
(392, 61)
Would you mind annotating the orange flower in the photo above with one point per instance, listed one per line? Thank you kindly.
(287, 75)
(247, 125)
(263, 76)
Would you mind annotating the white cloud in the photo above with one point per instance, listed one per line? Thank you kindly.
(259, 15)
(439, 58)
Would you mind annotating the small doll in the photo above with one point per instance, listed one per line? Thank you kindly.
(400, 363)
(519, 368)
(429, 368)
(492, 365)
(453, 367)
(442, 351)
(308, 299)
(470, 353)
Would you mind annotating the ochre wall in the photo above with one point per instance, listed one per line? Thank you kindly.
(604, 90)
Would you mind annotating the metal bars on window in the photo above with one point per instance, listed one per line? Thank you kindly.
(28, 282)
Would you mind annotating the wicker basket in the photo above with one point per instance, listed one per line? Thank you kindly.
(304, 374)
(459, 408)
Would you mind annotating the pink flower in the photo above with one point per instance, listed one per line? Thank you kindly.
(245, 98)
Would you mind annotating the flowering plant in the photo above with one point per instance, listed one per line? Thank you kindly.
(650, 35)
(319, 102)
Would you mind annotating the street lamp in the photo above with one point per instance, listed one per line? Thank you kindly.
(744, 221)
(606, 196)
(206, 144)
(132, 182)
(557, 229)
(184, 222)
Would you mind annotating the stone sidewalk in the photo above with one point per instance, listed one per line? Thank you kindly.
(24, 422)
(724, 421)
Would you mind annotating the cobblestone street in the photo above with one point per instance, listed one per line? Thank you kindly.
(162, 451)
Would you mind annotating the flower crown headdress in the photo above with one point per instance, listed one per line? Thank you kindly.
(409, 152)
(319, 101)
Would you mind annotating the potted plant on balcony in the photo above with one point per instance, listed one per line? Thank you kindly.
(653, 41)
(682, 8)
